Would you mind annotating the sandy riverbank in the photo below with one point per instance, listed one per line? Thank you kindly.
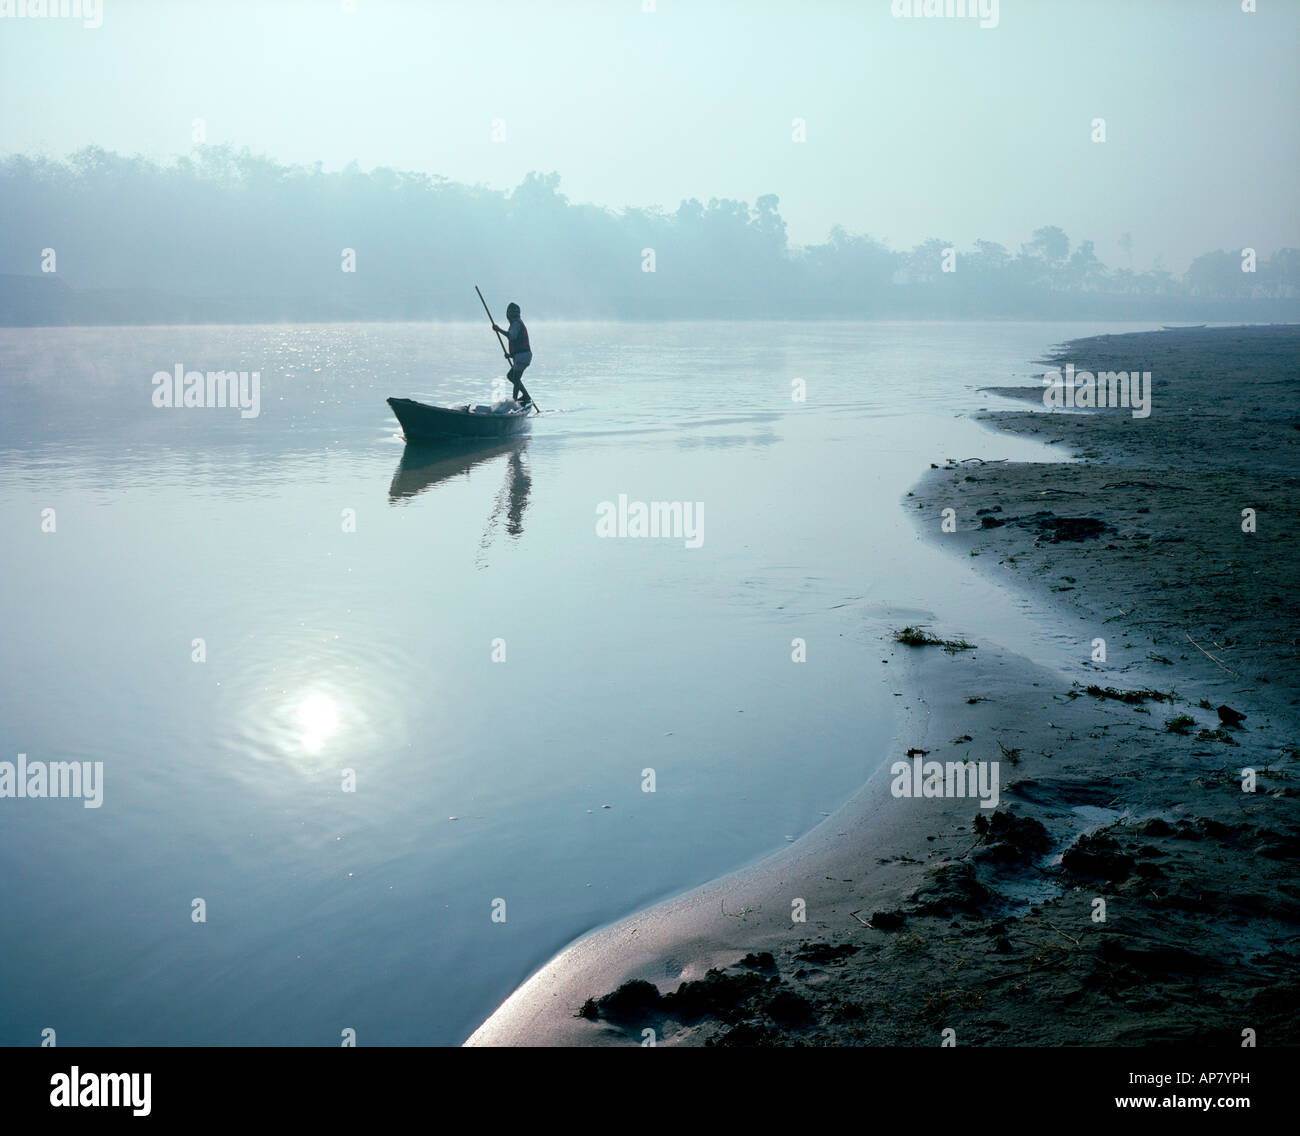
(930, 914)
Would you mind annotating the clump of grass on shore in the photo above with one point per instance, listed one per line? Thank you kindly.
(919, 637)
(1180, 724)
(1129, 696)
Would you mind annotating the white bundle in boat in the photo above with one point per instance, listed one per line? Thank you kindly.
(505, 406)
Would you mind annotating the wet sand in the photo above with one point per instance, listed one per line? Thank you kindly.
(1126, 890)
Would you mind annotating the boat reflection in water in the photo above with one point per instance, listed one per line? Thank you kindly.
(425, 464)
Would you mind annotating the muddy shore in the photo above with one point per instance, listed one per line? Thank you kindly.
(1127, 889)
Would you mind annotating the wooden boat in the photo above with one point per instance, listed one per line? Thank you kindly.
(421, 422)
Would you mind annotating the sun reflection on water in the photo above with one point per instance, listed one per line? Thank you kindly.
(319, 719)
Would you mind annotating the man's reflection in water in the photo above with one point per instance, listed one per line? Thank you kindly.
(518, 483)
(512, 500)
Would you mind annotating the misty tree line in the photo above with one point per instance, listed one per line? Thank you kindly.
(227, 227)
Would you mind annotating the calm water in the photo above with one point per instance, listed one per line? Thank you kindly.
(372, 651)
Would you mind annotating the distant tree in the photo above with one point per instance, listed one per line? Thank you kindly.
(1158, 281)
(1281, 273)
(925, 262)
(1049, 245)
(768, 224)
(538, 193)
(1215, 273)
(989, 258)
(1084, 271)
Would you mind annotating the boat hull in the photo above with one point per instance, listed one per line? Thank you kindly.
(422, 422)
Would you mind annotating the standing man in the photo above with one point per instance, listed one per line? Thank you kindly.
(520, 352)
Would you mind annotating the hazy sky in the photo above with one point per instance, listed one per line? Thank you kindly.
(915, 127)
